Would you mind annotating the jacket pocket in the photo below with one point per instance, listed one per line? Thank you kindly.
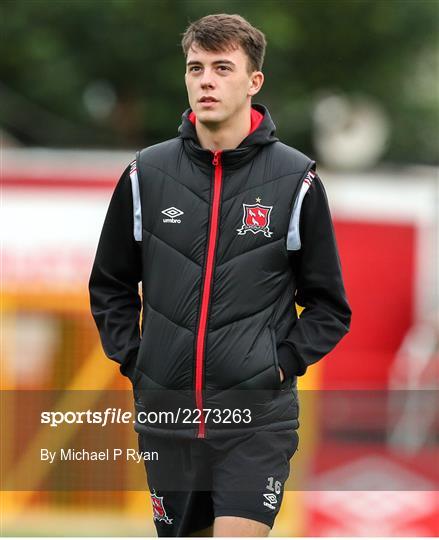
(277, 383)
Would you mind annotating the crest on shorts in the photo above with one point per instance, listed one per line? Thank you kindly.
(256, 218)
(159, 512)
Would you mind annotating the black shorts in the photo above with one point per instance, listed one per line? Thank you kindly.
(194, 481)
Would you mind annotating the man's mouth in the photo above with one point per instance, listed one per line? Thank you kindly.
(208, 99)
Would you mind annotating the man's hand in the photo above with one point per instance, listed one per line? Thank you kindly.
(281, 374)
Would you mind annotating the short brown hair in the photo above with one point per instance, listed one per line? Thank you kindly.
(221, 32)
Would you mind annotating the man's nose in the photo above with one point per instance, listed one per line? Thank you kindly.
(207, 80)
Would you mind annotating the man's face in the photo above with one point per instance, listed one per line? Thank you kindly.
(222, 76)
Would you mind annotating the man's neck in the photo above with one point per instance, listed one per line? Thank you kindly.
(227, 136)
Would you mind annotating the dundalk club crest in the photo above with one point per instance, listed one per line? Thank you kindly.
(159, 512)
(256, 218)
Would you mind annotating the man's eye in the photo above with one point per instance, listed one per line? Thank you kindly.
(194, 67)
(224, 67)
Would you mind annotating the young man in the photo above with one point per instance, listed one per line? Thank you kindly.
(226, 227)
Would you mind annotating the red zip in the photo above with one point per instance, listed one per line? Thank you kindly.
(205, 298)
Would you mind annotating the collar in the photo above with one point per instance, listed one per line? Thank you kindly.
(256, 118)
(262, 132)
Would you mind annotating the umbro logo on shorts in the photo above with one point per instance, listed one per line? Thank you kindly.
(172, 213)
(272, 500)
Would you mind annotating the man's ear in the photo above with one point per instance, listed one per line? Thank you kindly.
(256, 83)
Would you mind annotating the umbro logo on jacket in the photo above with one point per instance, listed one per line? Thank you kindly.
(172, 214)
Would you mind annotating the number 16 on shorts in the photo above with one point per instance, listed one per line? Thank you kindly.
(275, 488)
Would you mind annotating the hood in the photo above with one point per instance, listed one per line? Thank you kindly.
(262, 132)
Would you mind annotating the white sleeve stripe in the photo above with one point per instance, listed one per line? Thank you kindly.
(293, 237)
(137, 209)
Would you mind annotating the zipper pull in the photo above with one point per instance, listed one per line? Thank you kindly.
(216, 155)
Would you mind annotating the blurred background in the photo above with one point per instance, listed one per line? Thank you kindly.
(355, 85)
